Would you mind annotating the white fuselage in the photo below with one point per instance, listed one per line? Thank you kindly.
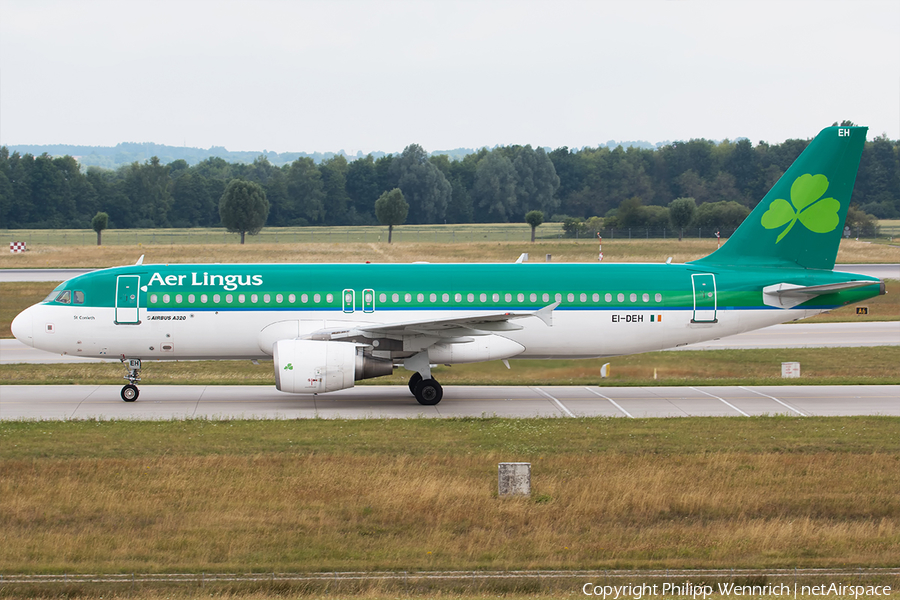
(208, 334)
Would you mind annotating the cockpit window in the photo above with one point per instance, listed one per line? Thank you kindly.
(64, 297)
(79, 297)
(51, 296)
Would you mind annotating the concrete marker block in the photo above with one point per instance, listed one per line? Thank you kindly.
(514, 479)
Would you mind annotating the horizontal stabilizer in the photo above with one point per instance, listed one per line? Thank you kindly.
(789, 295)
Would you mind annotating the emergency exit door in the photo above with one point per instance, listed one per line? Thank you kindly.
(349, 301)
(128, 290)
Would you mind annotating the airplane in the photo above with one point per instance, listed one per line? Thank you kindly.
(326, 326)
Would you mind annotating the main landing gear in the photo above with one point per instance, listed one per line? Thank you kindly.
(428, 392)
(131, 392)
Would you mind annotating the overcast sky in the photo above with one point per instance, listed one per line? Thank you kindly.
(379, 75)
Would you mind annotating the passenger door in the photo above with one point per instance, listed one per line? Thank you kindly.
(128, 291)
(704, 298)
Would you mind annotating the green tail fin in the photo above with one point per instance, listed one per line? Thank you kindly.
(801, 220)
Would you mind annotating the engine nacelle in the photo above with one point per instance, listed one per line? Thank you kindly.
(312, 367)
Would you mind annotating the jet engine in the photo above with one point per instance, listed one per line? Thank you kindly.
(311, 366)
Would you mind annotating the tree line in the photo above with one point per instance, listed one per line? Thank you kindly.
(630, 187)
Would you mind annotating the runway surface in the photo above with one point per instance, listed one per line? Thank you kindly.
(882, 271)
(9, 275)
(885, 271)
(263, 402)
(795, 335)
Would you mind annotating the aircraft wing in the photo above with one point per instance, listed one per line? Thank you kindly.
(476, 324)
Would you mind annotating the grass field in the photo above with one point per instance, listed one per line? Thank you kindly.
(471, 232)
(889, 228)
(314, 495)
(57, 254)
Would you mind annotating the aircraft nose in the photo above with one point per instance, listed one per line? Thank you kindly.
(23, 327)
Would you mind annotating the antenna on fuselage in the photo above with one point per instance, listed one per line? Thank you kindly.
(140, 260)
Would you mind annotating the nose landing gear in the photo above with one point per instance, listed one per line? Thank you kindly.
(131, 392)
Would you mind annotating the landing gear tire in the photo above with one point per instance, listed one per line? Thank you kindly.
(428, 392)
(130, 393)
(414, 381)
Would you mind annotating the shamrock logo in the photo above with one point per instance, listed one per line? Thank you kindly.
(817, 214)
(289, 367)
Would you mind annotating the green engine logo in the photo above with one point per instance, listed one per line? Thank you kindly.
(289, 367)
(807, 205)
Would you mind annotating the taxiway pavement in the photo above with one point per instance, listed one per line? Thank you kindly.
(371, 401)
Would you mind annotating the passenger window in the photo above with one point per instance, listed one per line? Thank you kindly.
(203, 298)
(620, 297)
(242, 298)
(471, 297)
(279, 298)
(521, 297)
(407, 297)
(570, 298)
(433, 297)
(495, 297)
(166, 298)
(646, 297)
(79, 297)
(292, 298)
(546, 297)
(329, 298)
(658, 297)
(633, 297)
(596, 297)
(458, 297)
(179, 297)
(191, 298)
(533, 297)
(254, 298)
(445, 298)
(153, 298)
(317, 298)
(608, 297)
(382, 298)
(420, 298)
(583, 297)
(65, 297)
(483, 297)
(559, 297)
(229, 298)
(395, 298)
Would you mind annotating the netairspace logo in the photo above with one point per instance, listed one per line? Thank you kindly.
(638, 591)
